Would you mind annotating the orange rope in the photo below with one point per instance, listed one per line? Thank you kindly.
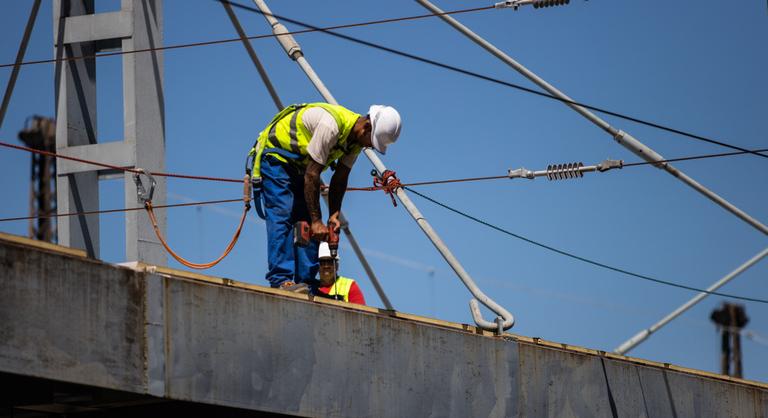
(201, 266)
(389, 183)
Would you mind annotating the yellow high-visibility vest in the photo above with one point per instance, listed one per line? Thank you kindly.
(287, 132)
(341, 287)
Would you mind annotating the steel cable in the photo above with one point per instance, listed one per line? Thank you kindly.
(580, 258)
(230, 40)
(406, 186)
(328, 30)
(499, 81)
(99, 212)
(359, 189)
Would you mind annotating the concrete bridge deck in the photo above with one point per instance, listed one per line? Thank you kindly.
(155, 337)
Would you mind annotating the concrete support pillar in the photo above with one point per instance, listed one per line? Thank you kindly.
(76, 112)
(79, 32)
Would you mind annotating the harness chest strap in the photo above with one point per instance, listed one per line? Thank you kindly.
(290, 140)
(277, 140)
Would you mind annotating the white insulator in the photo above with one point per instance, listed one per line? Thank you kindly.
(537, 4)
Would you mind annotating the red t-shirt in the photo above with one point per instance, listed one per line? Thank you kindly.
(355, 294)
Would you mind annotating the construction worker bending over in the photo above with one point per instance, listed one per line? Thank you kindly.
(332, 285)
(298, 144)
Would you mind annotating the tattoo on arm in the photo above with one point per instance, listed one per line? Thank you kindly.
(312, 190)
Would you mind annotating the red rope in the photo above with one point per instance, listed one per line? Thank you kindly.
(114, 167)
(98, 212)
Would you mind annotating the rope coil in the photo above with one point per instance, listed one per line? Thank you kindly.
(180, 259)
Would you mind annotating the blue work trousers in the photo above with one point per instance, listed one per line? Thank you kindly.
(284, 205)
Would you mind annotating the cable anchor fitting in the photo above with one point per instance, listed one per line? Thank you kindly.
(522, 173)
(143, 196)
(609, 165)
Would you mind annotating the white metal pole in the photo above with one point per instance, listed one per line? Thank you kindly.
(293, 50)
(644, 334)
(279, 104)
(623, 138)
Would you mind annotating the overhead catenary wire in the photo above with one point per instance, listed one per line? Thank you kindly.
(406, 186)
(118, 210)
(228, 180)
(643, 335)
(547, 247)
(231, 40)
(623, 138)
(115, 167)
(364, 189)
(580, 258)
(329, 30)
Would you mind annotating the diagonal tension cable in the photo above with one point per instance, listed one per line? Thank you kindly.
(328, 30)
(580, 258)
(498, 81)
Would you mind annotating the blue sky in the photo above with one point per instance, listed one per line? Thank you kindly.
(697, 66)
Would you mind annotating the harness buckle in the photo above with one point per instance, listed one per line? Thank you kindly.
(256, 183)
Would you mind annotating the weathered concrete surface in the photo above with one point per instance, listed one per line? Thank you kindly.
(70, 319)
(67, 318)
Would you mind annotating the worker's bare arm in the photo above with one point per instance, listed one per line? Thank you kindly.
(312, 197)
(336, 194)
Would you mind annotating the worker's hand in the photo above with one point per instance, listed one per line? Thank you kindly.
(319, 231)
(334, 222)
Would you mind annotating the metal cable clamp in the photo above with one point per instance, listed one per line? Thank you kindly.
(141, 192)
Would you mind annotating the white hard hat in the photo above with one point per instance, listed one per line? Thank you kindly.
(385, 126)
(324, 251)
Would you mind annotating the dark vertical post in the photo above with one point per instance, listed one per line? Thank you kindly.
(738, 320)
(40, 133)
(725, 351)
(730, 319)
